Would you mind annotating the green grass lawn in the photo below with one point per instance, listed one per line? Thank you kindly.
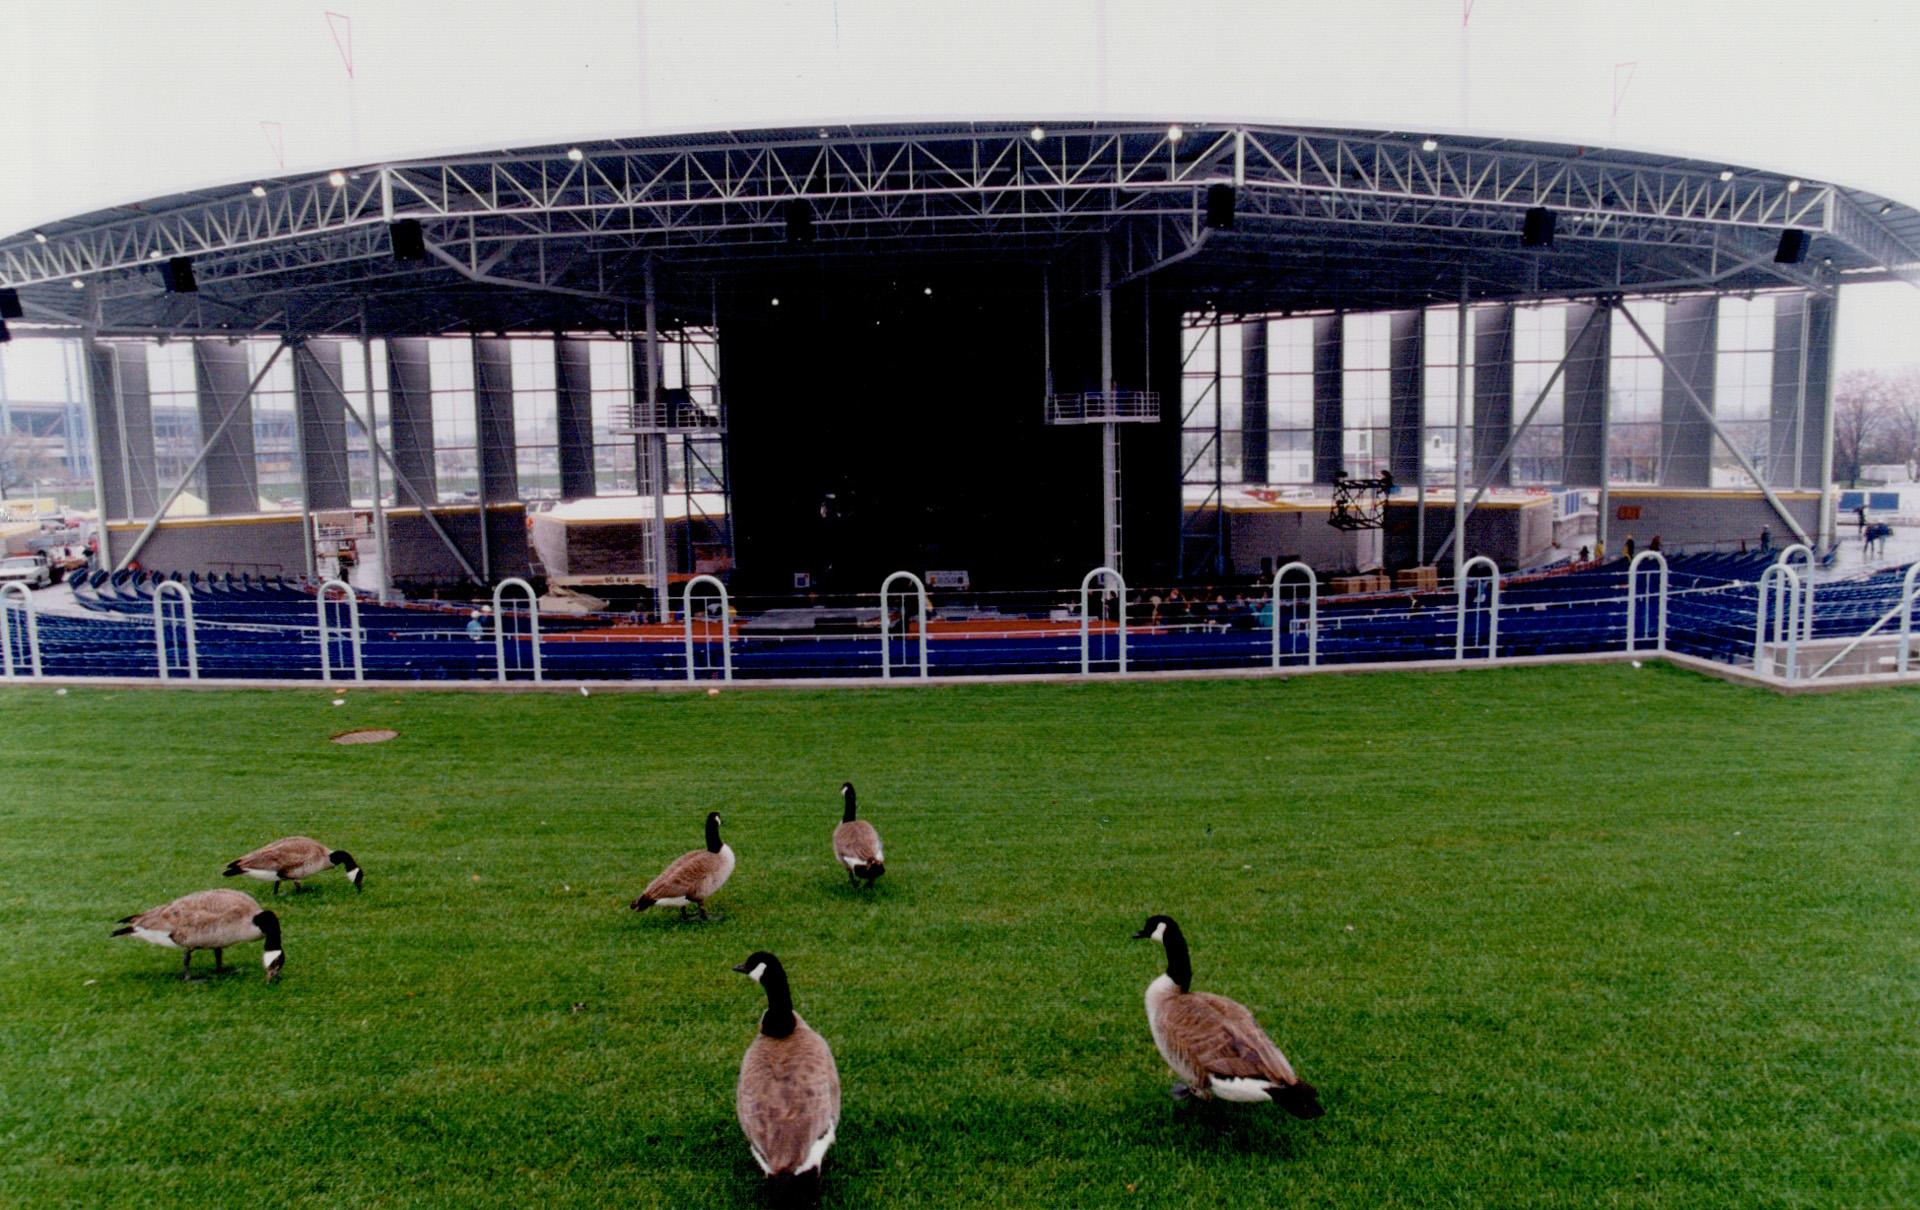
(1543, 937)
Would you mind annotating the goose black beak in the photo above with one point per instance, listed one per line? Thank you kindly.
(1142, 935)
(742, 969)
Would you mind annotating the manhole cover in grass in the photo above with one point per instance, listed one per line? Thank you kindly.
(366, 735)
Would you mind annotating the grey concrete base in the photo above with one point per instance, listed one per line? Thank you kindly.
(1725, 672)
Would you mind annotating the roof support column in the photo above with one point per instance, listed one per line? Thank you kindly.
(573, 392)
(220, 374)
(410, 411)
(1109, 431)
(1460, 437)
(1823, 324)
(1406, 373)
(1686, 438)
(656, 448)
(95, 380)
(1328, 459)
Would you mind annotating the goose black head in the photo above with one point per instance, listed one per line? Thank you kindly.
(345, 861)
(757, 965)
(713, 831)
(846, 793)
(1168, 934)
(1156, 929)
(273, 957)
(765, 969)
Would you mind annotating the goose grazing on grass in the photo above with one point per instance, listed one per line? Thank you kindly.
(693, 878)
(294, 859)
(788, 1097)
(1213, 1043)
(857, 845)
(208, 920)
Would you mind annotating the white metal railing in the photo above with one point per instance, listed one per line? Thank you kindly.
(160, 631)
(1906, 614)
(886, 639)
(1493, 614)
(1313, 612)
(1902, 609)
(726, 625)
(1101, 407)
(353, 629)
(1806, 586)
(1110, 576)
(500, 627)
(1785, 616)
(31, 628)
(1660, 612)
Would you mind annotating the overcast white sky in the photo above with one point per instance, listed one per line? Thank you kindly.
(116, 102)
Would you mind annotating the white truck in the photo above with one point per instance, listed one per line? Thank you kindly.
(32, 570)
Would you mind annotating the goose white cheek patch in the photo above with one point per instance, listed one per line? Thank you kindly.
(269, 958)
(1160, 933)
(757, 971)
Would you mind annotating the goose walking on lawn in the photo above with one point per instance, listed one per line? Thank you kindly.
(294, 859)
(788, 1097)
(1213, 1043)
(693, 878)
(856, 844)
(208, 920)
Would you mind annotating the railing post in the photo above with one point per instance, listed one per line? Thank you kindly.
(32, 628)
(353, 623)
(886, 639)
(726, 624)
(1493, 616)
(1660, 612)
(1786, 615)
(500, 626)
(160, 633)
(1806, 587)
(1313, 612)
(1086, 583)
(1906, 614)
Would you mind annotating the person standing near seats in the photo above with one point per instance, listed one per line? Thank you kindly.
(1766, 539)
(1861, 513)
(1626, 548)
(1654, 545)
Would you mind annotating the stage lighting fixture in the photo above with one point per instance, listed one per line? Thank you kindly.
(1175, 134)
(337, 179)
(1429, 144)
(1536, 231)
(1037, 133)
(408, 240)
(259, 191)
(575, 154)
(1726, 174)
(177, 276)
(1219, 208)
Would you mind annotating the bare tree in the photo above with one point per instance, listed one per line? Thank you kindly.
(1898, 438)
(1862, 402)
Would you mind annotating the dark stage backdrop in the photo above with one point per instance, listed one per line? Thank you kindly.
(876, 428)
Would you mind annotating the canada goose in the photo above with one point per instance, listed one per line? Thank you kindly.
(1213, 1043)
(788, 1097)
(208, 920)
(857, 845)
(693, 878)
(293, 859)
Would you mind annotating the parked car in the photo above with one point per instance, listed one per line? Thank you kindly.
(31, 570)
